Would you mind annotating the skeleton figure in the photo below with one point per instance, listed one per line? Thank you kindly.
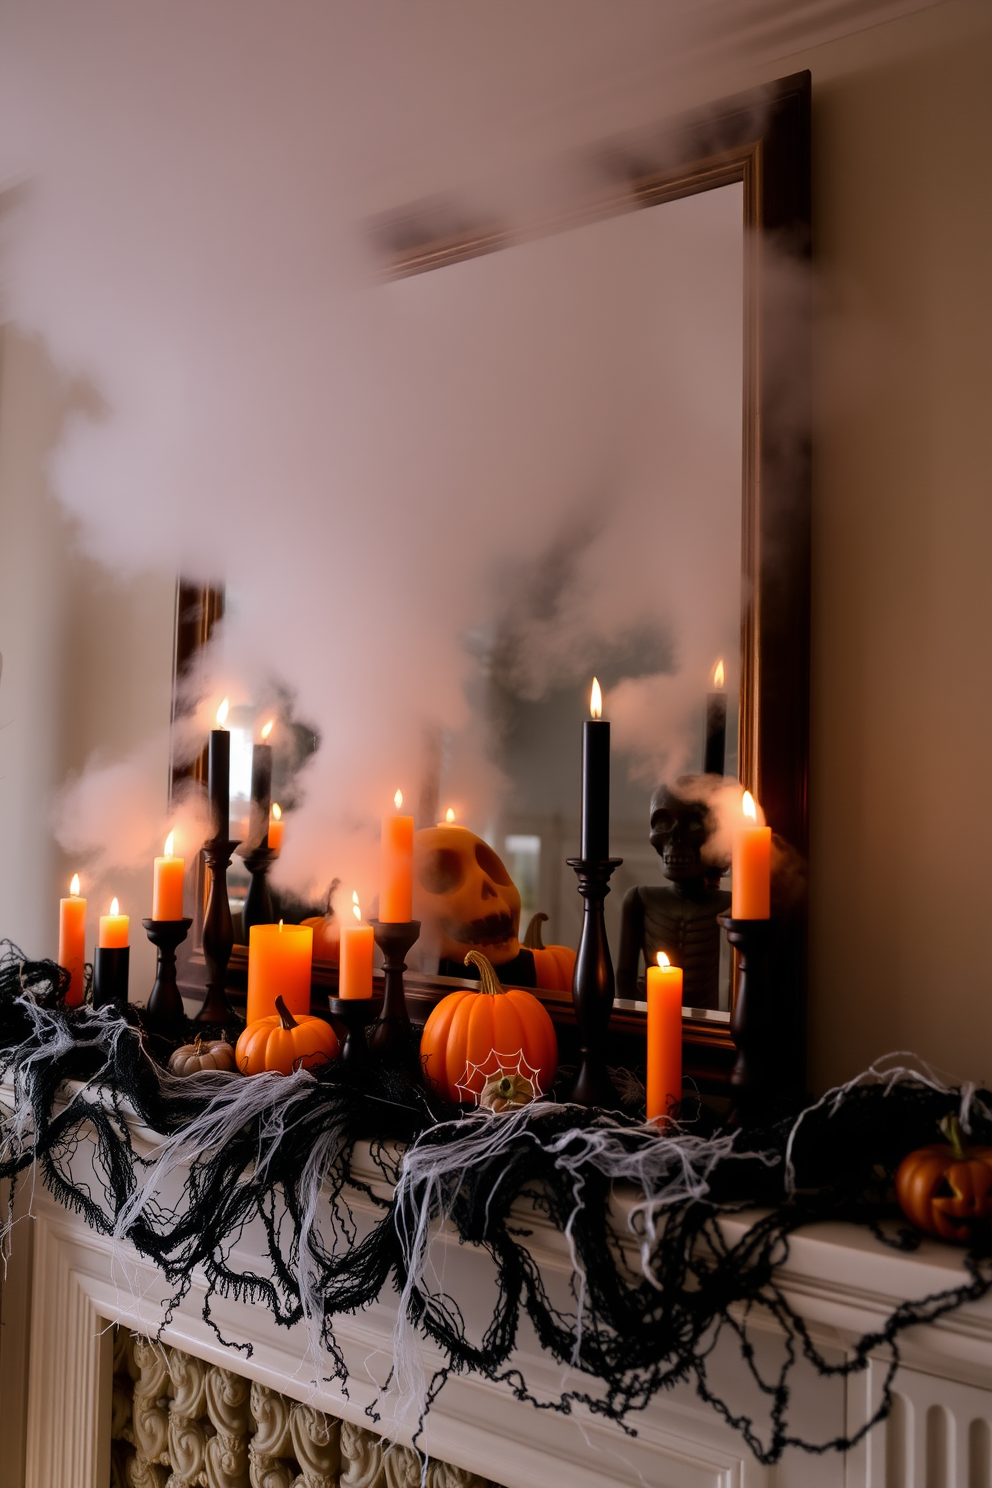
(465, 900)
(680, 920)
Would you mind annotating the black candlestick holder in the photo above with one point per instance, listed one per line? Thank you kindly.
(753, 1082)
(218, 933)
(356, 1013)
(165, 1013)
(110, 975)
(392, 1038)
(258, 901)
(593, 985)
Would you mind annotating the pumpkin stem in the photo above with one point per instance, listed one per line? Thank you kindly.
(533, 939)
(951, 1127)
(488, 980)
(286, 1017)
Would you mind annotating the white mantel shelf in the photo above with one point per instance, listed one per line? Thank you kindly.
(70, 1283)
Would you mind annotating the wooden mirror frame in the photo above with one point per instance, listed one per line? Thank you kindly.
(761, 139)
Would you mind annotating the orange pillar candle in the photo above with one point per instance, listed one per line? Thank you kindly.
(396, 888)
(167, 884)
(664, 988)
(357, 950)
(279, 961)
(72, 941)
(276, 828)
(751, 868)
(113, 928)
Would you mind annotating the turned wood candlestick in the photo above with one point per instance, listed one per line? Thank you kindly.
(593, 985)
(356, 1013)
(165, 1013)
(392, 1038)
(257, 908)
(218, 933)
(754, 1081)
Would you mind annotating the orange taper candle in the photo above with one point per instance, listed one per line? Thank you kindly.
(276, 828)
(113, 928)
(396, 887)
(167, 884)
(664, 988)
(357, 950)
(279, 961)
(750, 882)
(72, 941)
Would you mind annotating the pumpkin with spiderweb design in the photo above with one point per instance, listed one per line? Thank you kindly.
(473, 1036)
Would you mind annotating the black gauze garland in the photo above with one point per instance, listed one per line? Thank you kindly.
(277, 1150)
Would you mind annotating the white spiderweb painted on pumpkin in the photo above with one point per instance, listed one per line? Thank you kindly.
(476, 1077)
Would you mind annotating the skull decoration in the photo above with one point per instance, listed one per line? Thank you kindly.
(463, 896)
(681, 827)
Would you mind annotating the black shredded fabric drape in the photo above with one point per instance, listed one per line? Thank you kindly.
(645, 1311)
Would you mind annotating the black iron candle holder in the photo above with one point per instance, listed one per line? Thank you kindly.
(754, 1082)
(392, 1038)
(110, 975)
(165, 1013)
(356, 1013)
(218, 933)
(593, 985)
(258, 901)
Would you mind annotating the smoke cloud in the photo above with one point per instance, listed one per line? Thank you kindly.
(410, 488)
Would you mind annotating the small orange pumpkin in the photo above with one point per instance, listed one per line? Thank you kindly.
(944, 1190)
(472, 1036)
(554, 964)
(284, 1043)
(326, 937)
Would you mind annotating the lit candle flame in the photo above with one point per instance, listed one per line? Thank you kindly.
(663, 959)
(718, 674)
(267, 729)
(74, 886)
(276, 811)
(169, 844)
(115, 908)
(398, 799)
(748, 806)
(280, 927)
(222, 713)
(596, 699)
(355, 907)
(449, 816)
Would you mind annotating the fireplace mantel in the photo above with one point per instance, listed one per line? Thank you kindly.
(66, 1284)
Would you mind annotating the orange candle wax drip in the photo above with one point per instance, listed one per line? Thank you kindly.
(167, 884)
(72, 941)
(751, 867)
(396, 890)
(357, 950)
(279, 962)
(114, 928)
(664, 993)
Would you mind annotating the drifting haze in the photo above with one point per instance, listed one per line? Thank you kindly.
(383, 475)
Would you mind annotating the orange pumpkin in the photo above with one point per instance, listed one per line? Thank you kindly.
(284, 1043)
(945, 1189)
(554, 965)
(326, 937)
(472, 1036)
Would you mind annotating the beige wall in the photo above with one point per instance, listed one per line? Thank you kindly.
(902, 678)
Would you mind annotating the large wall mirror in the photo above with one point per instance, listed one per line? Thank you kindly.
(701, 379)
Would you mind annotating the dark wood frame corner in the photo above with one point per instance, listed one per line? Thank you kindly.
(761, 139)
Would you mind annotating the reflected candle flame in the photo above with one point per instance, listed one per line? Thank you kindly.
(596, 699)
(74, 886)
(222, 713)
(718, 674)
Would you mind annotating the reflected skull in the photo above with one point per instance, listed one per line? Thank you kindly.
(680, 829)
(463, 896)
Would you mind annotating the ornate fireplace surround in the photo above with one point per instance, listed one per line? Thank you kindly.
(66, 1287)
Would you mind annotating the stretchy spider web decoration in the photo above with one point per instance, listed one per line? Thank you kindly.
(494, 1064)
(275, 1151)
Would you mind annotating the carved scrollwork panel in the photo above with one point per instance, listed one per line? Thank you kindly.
(316, 1447)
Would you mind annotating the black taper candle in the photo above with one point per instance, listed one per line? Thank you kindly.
(595, 781)
(219, 779)
(261, 795)
(715, 755)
